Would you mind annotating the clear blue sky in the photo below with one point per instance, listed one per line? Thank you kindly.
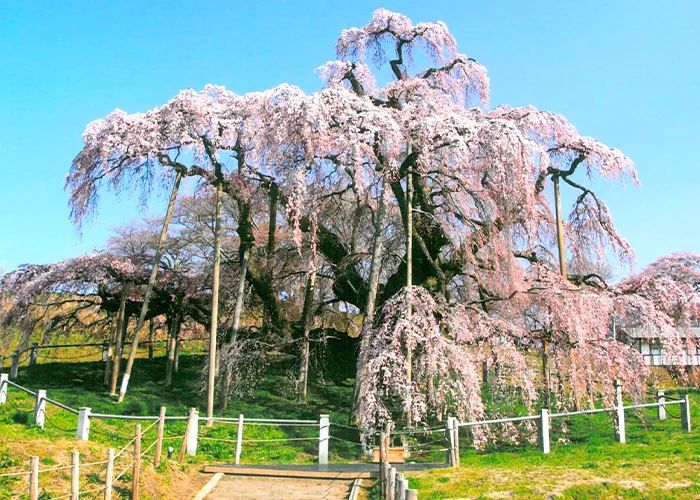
(626, 73)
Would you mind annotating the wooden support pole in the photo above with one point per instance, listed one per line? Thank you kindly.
(239, 439)
(3, 388)
(34, 478)
(159, 438)
(40, 408)
(14, 369)
(661, 410)
(75, 475)
(412, 495)
(33, 354)
(382, 461)
(685, 414)
(109, 474)
(137, 464)
(323, 438)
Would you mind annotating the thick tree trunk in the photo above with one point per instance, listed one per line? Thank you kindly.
(214, 306)
(172, 341)
(409, 281)
(119, 340)
(112, 341)
(307, 321)
(149, 287)
(237, 312)
(368, 320)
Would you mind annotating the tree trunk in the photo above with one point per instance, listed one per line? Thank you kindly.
(214, 306)
(560, 227)
(237, 312)
(112, 341)
(171, 352)
(150, 338)
(368, 320)
(409, 280)
(119, 340)
(307, 321)
(149, 287)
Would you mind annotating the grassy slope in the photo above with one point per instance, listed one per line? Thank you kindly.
(80, 384)
(658, 462)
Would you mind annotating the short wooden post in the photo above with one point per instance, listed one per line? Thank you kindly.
(137, 464)
(452, 432)
(619, 414)
(401, 487)
(159, 438)
(685, 413)
(188, 430)
(83, 431)
(412, 495)
(75, 475)
(543, 431)
(193, 432)
(3, 388)
(323, 438)
(34, 478)
(105, 351)
(109, 474)
(455, 440)
(33, 354)
(239, 439)
(391, 487)
(40, 408)
(14, 369)
(382, 463)
(661, 409)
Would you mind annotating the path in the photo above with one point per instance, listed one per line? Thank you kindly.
(275, 488)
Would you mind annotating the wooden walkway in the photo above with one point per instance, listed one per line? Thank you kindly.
(297, 482)
(226, 487)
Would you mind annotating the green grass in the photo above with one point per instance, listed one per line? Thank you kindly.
(658, 461)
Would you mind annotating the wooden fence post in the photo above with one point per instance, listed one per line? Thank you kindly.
(14, 369)
(661, 398)
(239, 439)
(412, 495)
(75, 475)
(323, 438)
(382, 461)
(186, 440)
(40, 408)
(34, 478)
(83, 431)
(109, 474)
(452, 432)
(401, 487)
(159, 438)
(543, 430)
(391, 484)
(619, 414)
(137, 464)
(3, 388)
(685, 413)
(33, 354)
(193, 432)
